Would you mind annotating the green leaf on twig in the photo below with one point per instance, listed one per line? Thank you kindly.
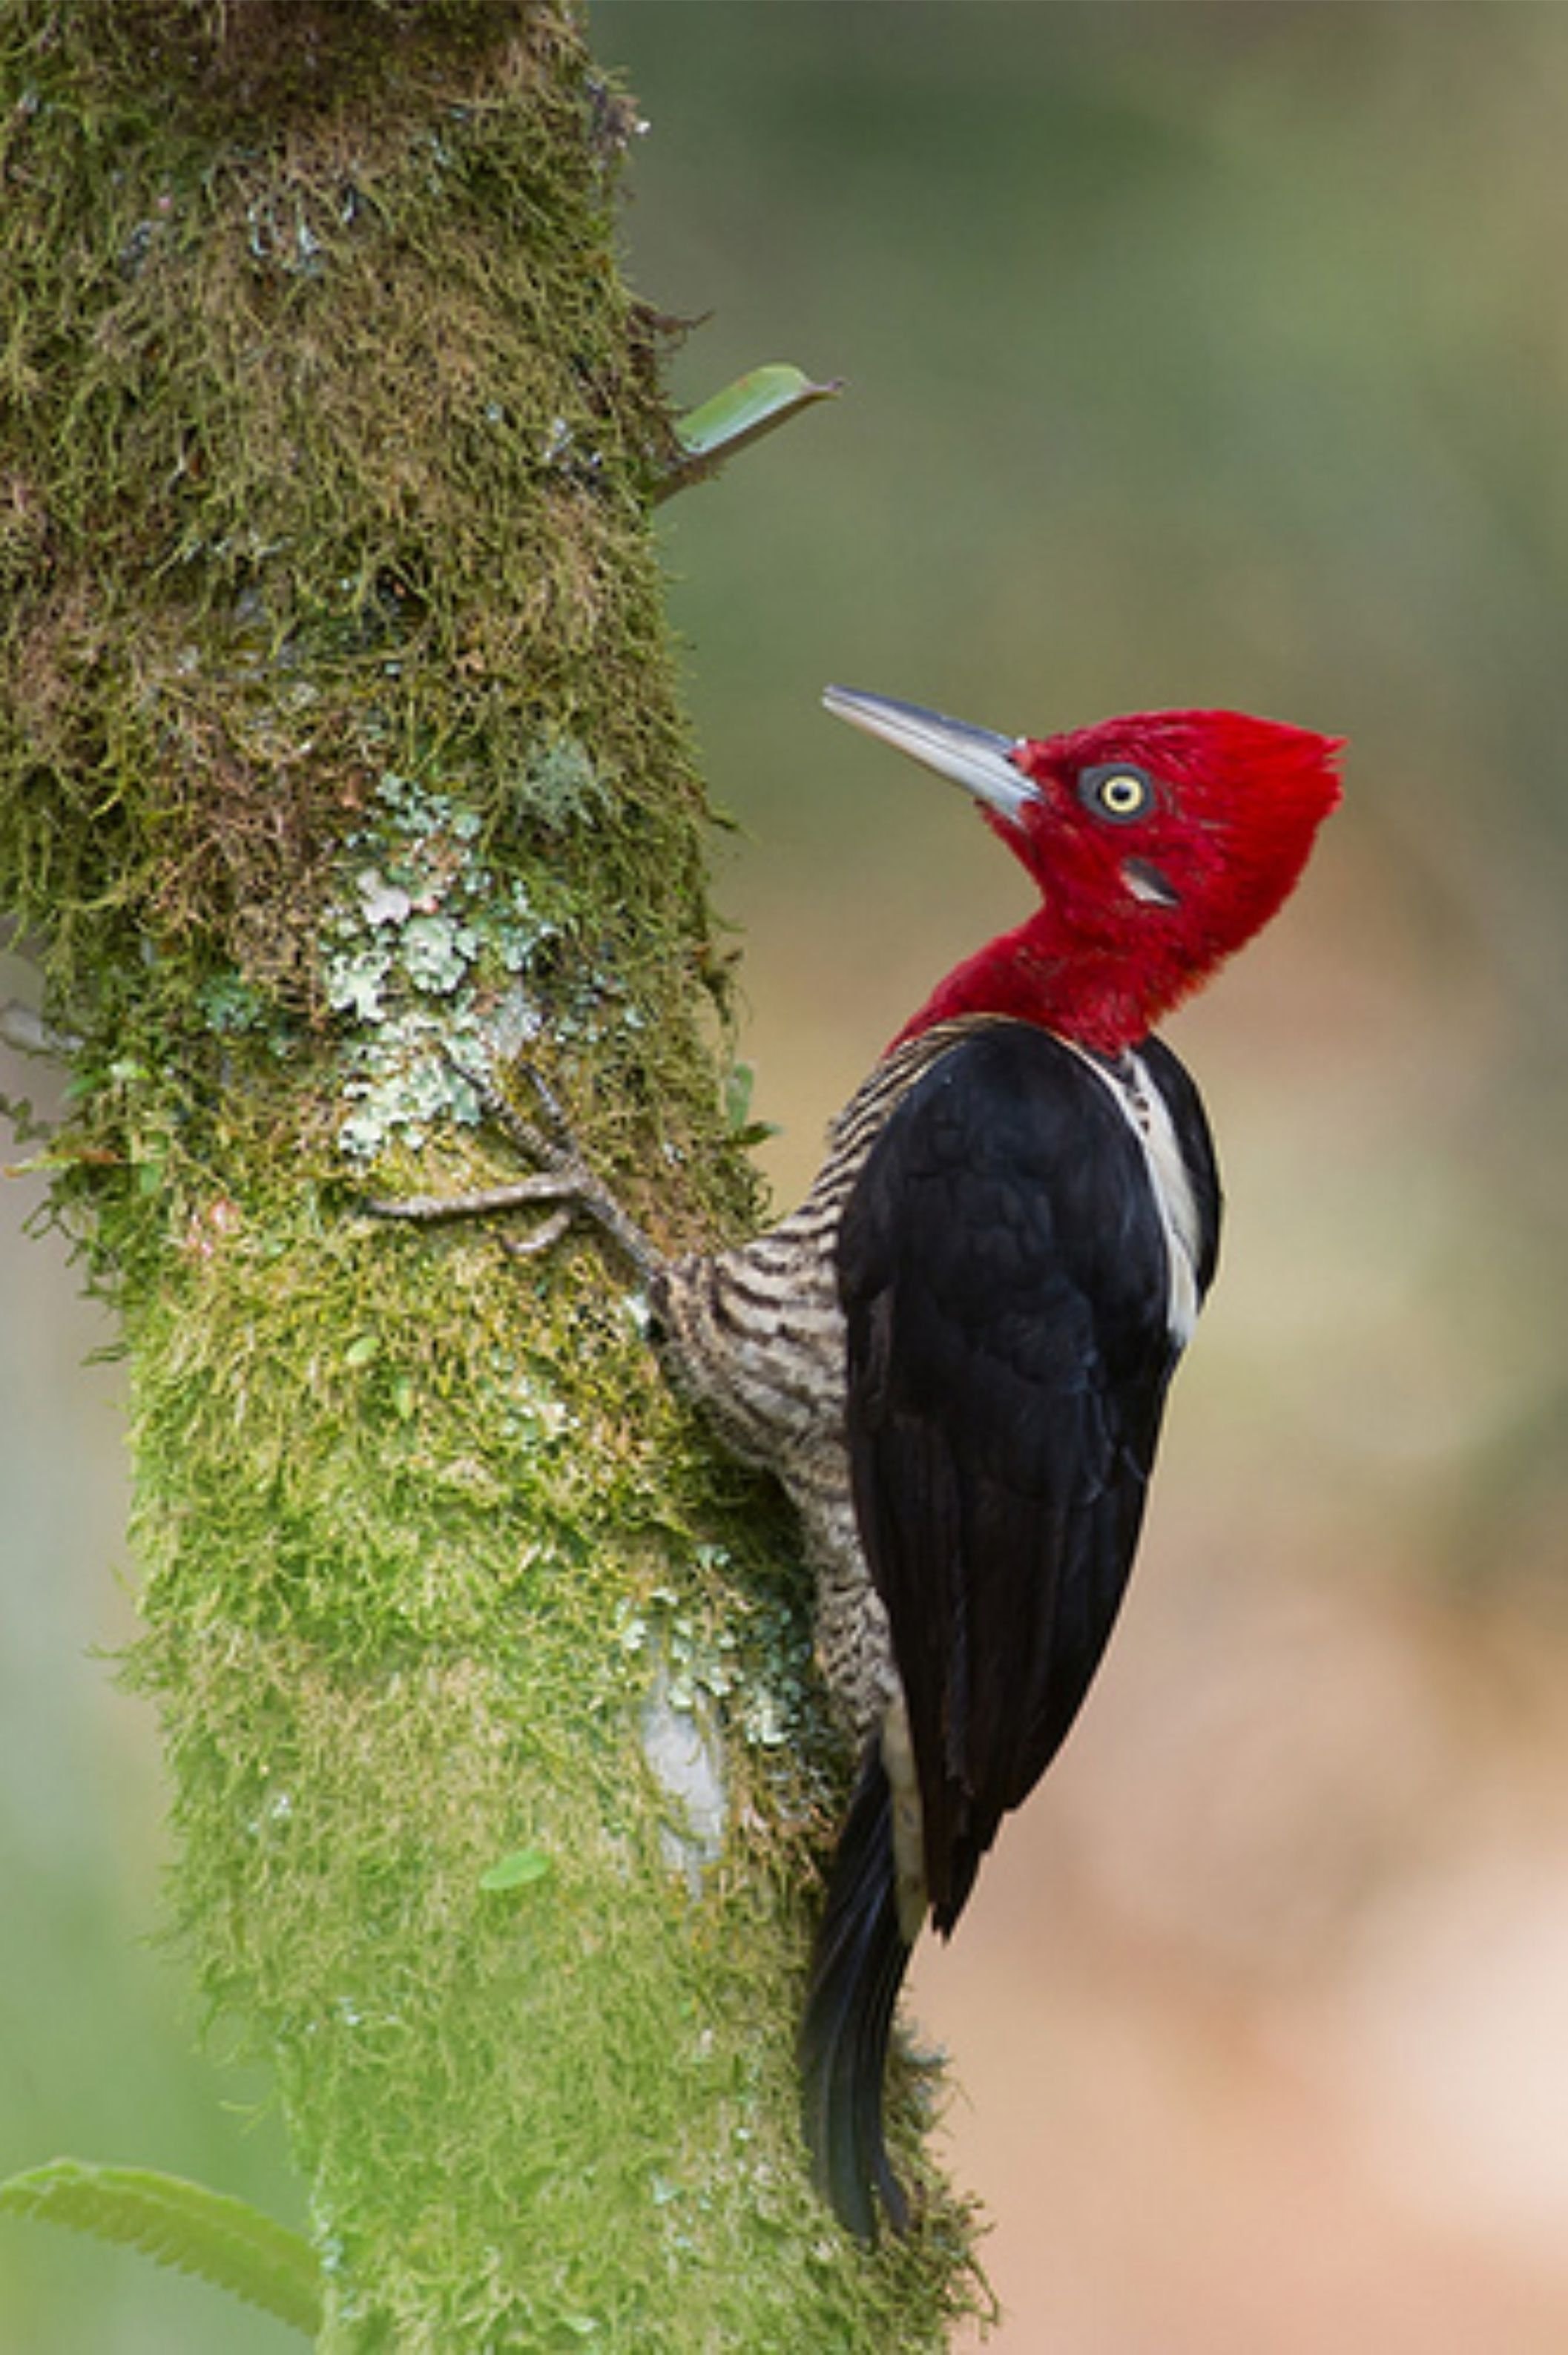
(758, 402)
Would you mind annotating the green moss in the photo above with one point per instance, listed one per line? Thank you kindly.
(499, 1535)
(299, 496)
(338, 744)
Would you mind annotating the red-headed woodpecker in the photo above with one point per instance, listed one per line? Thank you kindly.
(955, 1354)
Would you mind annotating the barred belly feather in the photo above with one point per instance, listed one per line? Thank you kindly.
(756, 1337)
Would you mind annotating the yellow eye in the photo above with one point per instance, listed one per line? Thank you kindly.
(1115, 790)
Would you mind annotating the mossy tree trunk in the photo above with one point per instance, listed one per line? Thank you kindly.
(339, 754)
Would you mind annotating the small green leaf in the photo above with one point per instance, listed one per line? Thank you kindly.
(746, 1130)
(361, 1351)
(755, 404)
(514, 1871)
(224, 2241)
(738, 1086)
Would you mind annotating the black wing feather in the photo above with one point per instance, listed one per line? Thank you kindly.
(1004, 1276)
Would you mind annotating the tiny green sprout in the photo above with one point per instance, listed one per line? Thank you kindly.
(746, 1130)
(515, 1872)
(361, 1351)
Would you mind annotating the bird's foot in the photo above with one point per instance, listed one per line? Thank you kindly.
(561, 1176)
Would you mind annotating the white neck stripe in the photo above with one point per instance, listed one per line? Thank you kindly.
(1147, 1113)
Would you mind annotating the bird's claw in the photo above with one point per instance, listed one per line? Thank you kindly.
(545, 1235)
(562, 1176)
(533, 1144)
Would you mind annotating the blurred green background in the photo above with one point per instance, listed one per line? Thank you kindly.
(1195, 354)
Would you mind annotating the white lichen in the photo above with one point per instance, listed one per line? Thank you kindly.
(685, 1752)
(427, 951)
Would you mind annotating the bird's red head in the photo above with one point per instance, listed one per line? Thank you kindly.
(1159, 843)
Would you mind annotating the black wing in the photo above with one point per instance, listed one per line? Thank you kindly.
(1004, 1274)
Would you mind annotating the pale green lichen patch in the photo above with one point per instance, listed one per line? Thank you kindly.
(562, 783)
(426, 950)
(685, 1752)
(725, 1636)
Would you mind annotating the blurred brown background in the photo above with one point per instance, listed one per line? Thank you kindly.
(1198, 354)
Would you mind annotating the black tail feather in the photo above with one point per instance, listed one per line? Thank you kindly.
(856, 1969)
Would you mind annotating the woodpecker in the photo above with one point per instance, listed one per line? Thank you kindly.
(955, 1354)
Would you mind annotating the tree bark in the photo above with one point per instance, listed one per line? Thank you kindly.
(339, 756)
